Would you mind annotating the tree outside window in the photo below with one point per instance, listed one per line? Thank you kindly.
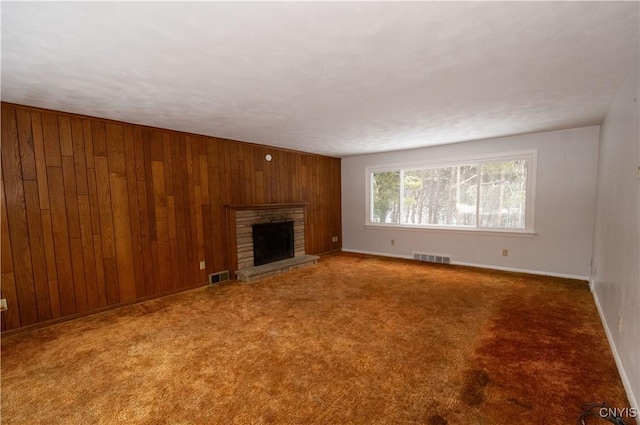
(484, 194)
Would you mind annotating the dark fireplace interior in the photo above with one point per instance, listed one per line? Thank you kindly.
(272, 242)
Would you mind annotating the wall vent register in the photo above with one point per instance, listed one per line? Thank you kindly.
(432, 258)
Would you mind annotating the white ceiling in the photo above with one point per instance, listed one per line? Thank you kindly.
(333, 78)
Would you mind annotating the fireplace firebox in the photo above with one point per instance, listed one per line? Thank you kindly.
(272, 242)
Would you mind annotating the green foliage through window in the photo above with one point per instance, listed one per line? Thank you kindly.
(386, 197)
(484, 194)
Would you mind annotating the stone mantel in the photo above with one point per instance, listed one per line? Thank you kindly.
(265, 206)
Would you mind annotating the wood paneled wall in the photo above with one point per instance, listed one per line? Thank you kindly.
(97, 213)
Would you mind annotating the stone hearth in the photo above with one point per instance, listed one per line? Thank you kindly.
(251, 274)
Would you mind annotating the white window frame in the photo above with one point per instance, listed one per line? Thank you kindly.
(531, 156)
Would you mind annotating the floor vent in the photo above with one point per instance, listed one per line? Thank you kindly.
(432, 258)
(218, 277)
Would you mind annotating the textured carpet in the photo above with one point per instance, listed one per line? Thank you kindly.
(351, 340)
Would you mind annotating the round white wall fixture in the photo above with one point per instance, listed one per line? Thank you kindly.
(268, 157)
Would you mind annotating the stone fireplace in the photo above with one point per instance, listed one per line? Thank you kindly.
(245, 220)
(242, 218)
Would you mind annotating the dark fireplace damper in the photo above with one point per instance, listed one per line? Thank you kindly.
(272, 242)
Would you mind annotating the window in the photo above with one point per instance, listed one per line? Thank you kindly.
(494, 193)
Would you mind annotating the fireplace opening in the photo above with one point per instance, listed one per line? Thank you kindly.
(272, 242)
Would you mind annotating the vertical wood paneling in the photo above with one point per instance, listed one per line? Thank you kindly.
(32, 195)
(61, 241)
(100, 271)
(188, 188)
(64, 127)
(105, 210)
(17, 218)
(88, 252)
(79, 283)
(88, 142)
(38, 255)
(51, 139)
(208, 241)
(41, 161)
(140, 139)
(97, 213)
(115, 148)
(149, 270)
(132, 190)
(167, 162)
(173, 242)
(181, 207)
(79, 156)
(112, 289)
(204, 172)
(94, 208)
(148, 176)
(122, 233)
(98, 138)
(52, 271)
(71, 196)
(10, 317)
(162, 227)
(25, 139)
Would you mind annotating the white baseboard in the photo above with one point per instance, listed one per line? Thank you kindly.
(633, 401)
(481, 266)
(528, 271)
(380, 254)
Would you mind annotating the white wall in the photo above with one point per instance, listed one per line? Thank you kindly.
(564, 218)
(616, 273)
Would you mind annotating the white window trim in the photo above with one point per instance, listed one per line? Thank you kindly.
(529, 229)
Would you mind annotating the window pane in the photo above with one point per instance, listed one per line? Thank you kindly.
(503, 194)
(441, 196)
(386, 197)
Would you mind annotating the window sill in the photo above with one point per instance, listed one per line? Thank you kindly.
(455, 230)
